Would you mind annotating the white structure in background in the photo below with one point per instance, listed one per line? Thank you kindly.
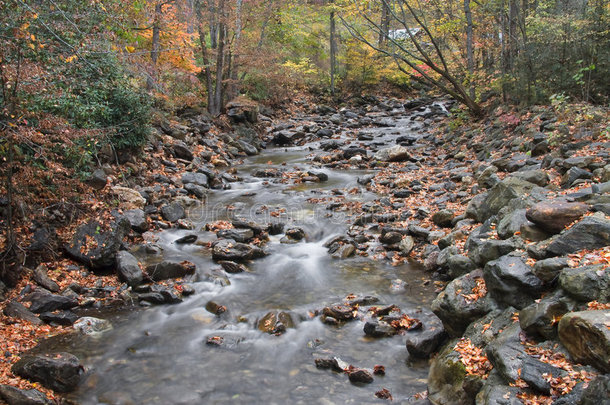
(402, 34)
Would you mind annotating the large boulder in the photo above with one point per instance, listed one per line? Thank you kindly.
(95, 245)
(554, 215)
(540, 318)
(228, 249)
(137, 219)
(128, 268)
(16, 396)
(587, 337)
(454, 306)
(396, 153)
(170, 269)
(172, 212)
(511, 282)
(598, 391)
(586, 283)
(499, 197)
(591, 232)
(425, 341)
(61, 372)
(17, 310)
(43, 301)
(448, 381)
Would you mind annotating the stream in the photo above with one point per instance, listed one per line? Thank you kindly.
(159, 355)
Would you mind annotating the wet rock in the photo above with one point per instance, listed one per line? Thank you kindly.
(232, 267)
(275, 322)
(586, 283)
(378, 329)
(172, 212)
(215, 308)
(65, 318)
(16, 310)
(548, 270)
(484, 330)
(151, 298)
(275, 228)
(586, 336)
(339, 311)
(454, 310)
(361, 300)
(553, 216)
(511, 282)
(42, 279)
(98, 179)
(228, 249)
(169, 269)
(91, 326)
(495, 392)
(16, 396)
(61, 372)
(512, 223)
(486, 250)
(239, 235)
(182, 151)
(137, 220)
(448, 379)
(296, 234)
(540, 319)
(537, 177)
(353, 151)
(43, 301)
(196, 190)
(396, 153)
(360, 376)
(458, 265)
(591, 232)
(128, 268)
(249, 149)
(422, 343)
(319, 175)
(186, 239)
(333, 363)
(443, 218)
(96, 247)
(344, 251)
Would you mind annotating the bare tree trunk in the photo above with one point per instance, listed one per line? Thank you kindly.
(234, 89)
(469, 49)
(385, 23)
(333, 50)
(220, 59)
(154, 52)
(207, 69)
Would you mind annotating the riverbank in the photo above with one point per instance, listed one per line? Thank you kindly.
(423, 191)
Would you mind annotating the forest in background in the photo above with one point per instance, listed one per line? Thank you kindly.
(84, 79)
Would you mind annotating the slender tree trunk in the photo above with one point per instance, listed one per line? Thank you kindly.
(207, 69)
(385, 23)
(333, 51)
(151, 81)
(469, 48)
(220, 60)
(234, 92)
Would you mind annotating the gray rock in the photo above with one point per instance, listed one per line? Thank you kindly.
(598, 391)
(443, 218)
(586, 283)
(454, 310)
(98, 179)
(406, 245)
(491, 249)
(232, 267)
(247, 148)
(423, 342)
(137, 220)
(169, 269)
(540, 319)
(586, 336)
(485, 330)
(16, 396)
(198, 179)
(65, 318)
(378, 329)
(182, 151)
(360, 376)
(591, 232)
(228, 249)
(554, 215)
(172, 212)
(16, 310)
(42, 279)
(390, 238)
(499, 197)
(574, 174)
(275, 322)
(548, 270)
(91, 326)
(396, 153)
(128, 268)
(196, 190)
(537, 177)
(61, 372)
(95, 247)
(458, 265)
(511, 224)
(511, 282)
(43, 301)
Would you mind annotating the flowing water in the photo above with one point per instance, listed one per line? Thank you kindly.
(158, 355)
